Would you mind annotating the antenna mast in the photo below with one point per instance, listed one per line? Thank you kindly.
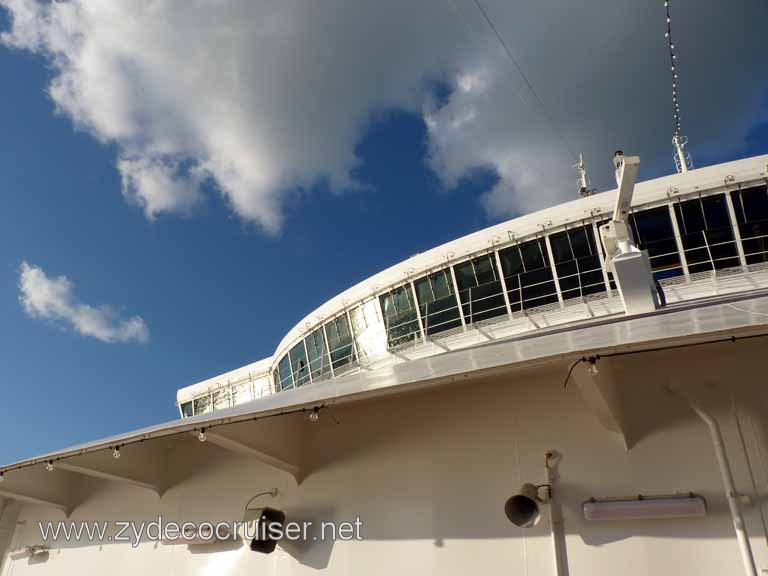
(682, 158)
(584, 188)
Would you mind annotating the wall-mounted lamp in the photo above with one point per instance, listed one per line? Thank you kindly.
(257, 522)
(522, 509)
(646, 508)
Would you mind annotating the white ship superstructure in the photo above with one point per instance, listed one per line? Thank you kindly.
(509, 402)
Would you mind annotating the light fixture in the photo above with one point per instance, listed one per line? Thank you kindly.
(646, 508)
(201, 436)
(2, 476)
(314, 416)
(522, 509)
(116, 452)
(593, 368)
(255, 528)
(49, 465)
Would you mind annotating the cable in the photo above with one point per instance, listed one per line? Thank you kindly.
(570, 370)
(522, 75)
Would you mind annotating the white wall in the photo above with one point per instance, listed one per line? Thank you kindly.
(429, 472)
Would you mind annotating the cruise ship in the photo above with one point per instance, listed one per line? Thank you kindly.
(580, 390)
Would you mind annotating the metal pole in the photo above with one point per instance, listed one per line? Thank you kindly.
(730, 490)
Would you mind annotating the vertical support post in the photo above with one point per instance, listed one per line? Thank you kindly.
(306, 355)
(458, 298)
(328, 349)
(352, 334)
(503, 282)
(735, 227)
(678, 239)
(418, 311)
(599, 245)
(554, 269)
(731, 495)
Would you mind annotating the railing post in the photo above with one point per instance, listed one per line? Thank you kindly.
(418, 312)
(678, 239)
(735, 227)
(552, 266)
(457, 296)
(503, 282)
(599, 246)
(328, 348)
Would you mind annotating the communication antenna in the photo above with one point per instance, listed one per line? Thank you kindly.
(683, 161)
(584, 187)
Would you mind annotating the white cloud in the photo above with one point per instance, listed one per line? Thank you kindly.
(54, 299)
(262, 99)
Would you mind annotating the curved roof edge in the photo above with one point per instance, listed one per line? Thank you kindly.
(573, 211)
(258, 368)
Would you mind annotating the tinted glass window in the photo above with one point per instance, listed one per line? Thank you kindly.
(437, 304)
(706, 234)
(751, 207)
(653, 232)
(340, 345)
(284, 372)
(202, 404)
(299, 364)
(480, 291)
(319, 363)
(186, 410)
(528, 275)
(577, 262)
(400, 316)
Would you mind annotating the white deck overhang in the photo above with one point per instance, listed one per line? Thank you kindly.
(279, 445)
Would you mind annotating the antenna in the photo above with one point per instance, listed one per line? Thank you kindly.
(683, 161)
(584, 188)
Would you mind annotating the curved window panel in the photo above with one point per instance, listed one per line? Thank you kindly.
(369, 332)
(317, 352)
(438, 306)
(284, 374)
(400, 316)
(340, 345)
(751, 207)
(528, 275)
(706, 233)
(299, 364)
(187, 410)
(202, 404)
(577, 262)
(653, 232)
(480, 291)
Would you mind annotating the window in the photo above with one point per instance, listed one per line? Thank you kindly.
(528, 275)
(400, 316)
(317, 351)
(284, 371)
(187, 410)
(653, 232)
(340, 345)
(577, 262)
(368, 330)
(438, 306)
(706, 233)
(751, 207)
(299, 364)
(480, 289)
(202, 404)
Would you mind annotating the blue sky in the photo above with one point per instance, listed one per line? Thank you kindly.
(216, 286)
